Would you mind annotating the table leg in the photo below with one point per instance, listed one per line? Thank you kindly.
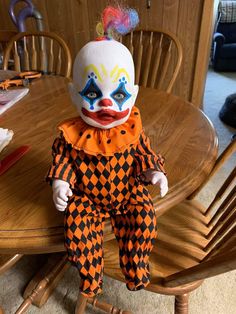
(42, 285)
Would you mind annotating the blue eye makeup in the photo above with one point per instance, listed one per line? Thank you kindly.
(91, 92)
(120, 95)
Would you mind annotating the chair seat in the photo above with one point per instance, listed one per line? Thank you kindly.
(228, 51)
(173, 250)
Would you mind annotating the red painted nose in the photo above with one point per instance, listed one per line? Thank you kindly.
(105, 102)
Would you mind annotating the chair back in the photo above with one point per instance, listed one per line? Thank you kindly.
(221, 247)
(39, 51)
(157, 57)
(5, 37)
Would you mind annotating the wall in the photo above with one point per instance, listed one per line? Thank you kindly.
(191, 20)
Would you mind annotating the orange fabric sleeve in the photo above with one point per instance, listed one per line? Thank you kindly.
(62, 165)
(145, 157)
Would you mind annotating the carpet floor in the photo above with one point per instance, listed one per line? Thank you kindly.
(216, 296)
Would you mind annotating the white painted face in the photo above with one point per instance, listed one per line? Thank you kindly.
(103, 87)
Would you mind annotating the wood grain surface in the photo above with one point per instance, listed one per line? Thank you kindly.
(29, 223)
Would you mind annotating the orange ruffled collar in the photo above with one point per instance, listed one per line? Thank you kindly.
(96, 141)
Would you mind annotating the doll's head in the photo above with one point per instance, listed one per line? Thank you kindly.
(103, 88)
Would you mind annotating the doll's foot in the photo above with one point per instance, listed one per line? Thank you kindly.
(81, 304)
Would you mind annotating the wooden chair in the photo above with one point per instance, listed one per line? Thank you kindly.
(157, 57)
(5, 37)
(39, 51)
(193, 243)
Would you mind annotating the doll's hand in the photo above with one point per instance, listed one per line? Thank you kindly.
(157, 178)
(61, 191)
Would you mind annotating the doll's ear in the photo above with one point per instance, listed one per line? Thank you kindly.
(73, 92)
(135, 93)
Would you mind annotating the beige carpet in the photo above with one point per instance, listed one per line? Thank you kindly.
(216, 295)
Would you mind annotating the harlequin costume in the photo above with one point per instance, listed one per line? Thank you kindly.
(100, 160)
(103, 168)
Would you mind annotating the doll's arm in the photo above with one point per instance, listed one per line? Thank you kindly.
(61, 191)
(149, 166)
(61, 174)
(156, 178)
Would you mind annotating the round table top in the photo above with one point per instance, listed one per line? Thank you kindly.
(29, 222)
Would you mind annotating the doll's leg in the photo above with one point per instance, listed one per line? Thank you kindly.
(135, 232)
(83, 241)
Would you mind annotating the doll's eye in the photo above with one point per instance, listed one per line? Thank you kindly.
(91, 92)
(119, 96)
(91, 95)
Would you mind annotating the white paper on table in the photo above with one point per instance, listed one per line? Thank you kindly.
(5, 137)
(9, 97)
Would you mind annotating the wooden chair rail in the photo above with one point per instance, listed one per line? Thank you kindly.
(218, 265)
(226, 154)
(224, 245)
(220, 194)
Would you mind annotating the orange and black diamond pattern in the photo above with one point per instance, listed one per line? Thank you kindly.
(107, 186)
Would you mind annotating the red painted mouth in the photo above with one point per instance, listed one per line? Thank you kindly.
(105, 116)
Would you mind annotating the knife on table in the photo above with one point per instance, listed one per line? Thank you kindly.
(8, 161)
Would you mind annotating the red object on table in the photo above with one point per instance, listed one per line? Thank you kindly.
(12, 158)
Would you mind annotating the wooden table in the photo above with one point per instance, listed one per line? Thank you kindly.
(29, 223)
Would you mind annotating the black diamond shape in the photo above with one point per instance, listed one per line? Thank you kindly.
(125, 180)
(116, 180)
(116, 192)
(81, 225)
(107, 186)
(100, 197)
(85, 251)
(106, 173)
(124, 191)
(73, 227)
(90, 186)
(143, 213)
(74, 214)
(128, 266)
(126, 166)
(117, 168)
(83, 239)
(86, 160)
(75, 239)
(88, 173)
(117, 155)
(95, 160)
(97, 173)
(99, 185)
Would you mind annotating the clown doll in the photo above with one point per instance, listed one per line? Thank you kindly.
(102, 161)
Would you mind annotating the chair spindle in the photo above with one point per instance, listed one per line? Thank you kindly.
(165, 66)
(34, 55)
(59, 62)
(131, 46)
(225, 243)
(138, 61)
(148, 61)
(50, 57)
(156, 62)
(16, 58)
(26, 65)
(221, 192)
(222, 232)
(224, 209)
